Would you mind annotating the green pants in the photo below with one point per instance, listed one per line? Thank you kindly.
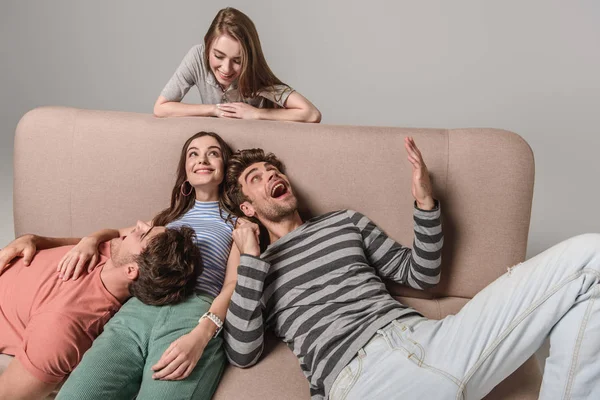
(118, 365)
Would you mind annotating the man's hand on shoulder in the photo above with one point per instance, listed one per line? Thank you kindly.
(24, 246)
(245, 236)
(421, 183)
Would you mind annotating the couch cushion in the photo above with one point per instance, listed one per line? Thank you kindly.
(80, 170)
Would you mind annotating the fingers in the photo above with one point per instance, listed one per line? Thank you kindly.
(28, 254)
(177, 374)
(257, 234)
(229, 107)
(414, 154)
(173, 369)
(233, 110)
(78, 267)
(414, 161)
(227, 110)
(168, 356)
(93, 262)
(411, 148)
(188, 371)
(6, 256)
(230, 115)
(61, 262)
(244, 223)
(68, 269)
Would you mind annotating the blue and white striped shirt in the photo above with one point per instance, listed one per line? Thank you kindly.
(213, 237)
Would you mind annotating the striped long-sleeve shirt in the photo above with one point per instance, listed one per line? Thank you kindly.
(319, 289)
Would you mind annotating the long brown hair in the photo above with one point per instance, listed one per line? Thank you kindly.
(255, 72)
(180, 204)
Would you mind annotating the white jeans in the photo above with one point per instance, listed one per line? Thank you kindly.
(555, 294)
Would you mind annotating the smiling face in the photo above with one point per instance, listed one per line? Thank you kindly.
(225, 60)
(269, 191)
(204, 166)
(124, 249)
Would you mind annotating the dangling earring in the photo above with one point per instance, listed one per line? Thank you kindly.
(188, 193)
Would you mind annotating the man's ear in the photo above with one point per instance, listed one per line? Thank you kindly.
(247, 209)
(133, 271)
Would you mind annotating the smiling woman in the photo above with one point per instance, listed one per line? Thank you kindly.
(147, 347)
(233, 78)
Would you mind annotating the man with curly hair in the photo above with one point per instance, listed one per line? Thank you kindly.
(318, 286)
(48, 323)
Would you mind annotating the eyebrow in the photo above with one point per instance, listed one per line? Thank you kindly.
(249, 172)
(209, 147)
(223, 54)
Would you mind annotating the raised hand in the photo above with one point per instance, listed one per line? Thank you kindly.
(24, 246)
(421, 184)
(84, 254)
(245, 237)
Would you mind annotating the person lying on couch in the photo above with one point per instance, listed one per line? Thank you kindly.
(318, 287)
(48, 323)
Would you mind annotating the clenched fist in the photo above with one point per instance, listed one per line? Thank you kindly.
(245, 236)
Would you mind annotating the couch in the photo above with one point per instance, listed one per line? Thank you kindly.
(77, 170)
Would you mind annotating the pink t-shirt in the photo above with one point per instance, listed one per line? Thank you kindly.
(47, 323)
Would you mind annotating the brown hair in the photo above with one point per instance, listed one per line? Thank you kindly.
(238, 163)
(255, 72)
(180, 204)
(168, 268)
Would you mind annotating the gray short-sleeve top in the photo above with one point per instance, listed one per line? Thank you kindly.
(193, 71)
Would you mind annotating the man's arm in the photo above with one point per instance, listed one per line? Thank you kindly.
(244, 325)
(418, 268)
(17, 383)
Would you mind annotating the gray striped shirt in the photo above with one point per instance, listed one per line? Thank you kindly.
(319, 289)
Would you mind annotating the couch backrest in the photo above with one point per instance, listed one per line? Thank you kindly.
(76, 171)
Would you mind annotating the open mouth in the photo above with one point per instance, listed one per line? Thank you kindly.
(203, 171)
(278, 190)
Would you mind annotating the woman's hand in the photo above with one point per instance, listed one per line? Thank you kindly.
(238, 110)
(85, 253)
(180, 359)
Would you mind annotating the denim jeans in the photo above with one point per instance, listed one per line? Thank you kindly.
(554, 295)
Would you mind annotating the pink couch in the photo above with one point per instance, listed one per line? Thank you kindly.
(80, 170)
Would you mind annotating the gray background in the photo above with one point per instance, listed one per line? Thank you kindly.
(530, 67)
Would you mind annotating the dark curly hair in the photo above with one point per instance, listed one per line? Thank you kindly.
(168, 268)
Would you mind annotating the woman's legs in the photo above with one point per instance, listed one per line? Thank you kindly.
(172, 323)
(112, 368)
